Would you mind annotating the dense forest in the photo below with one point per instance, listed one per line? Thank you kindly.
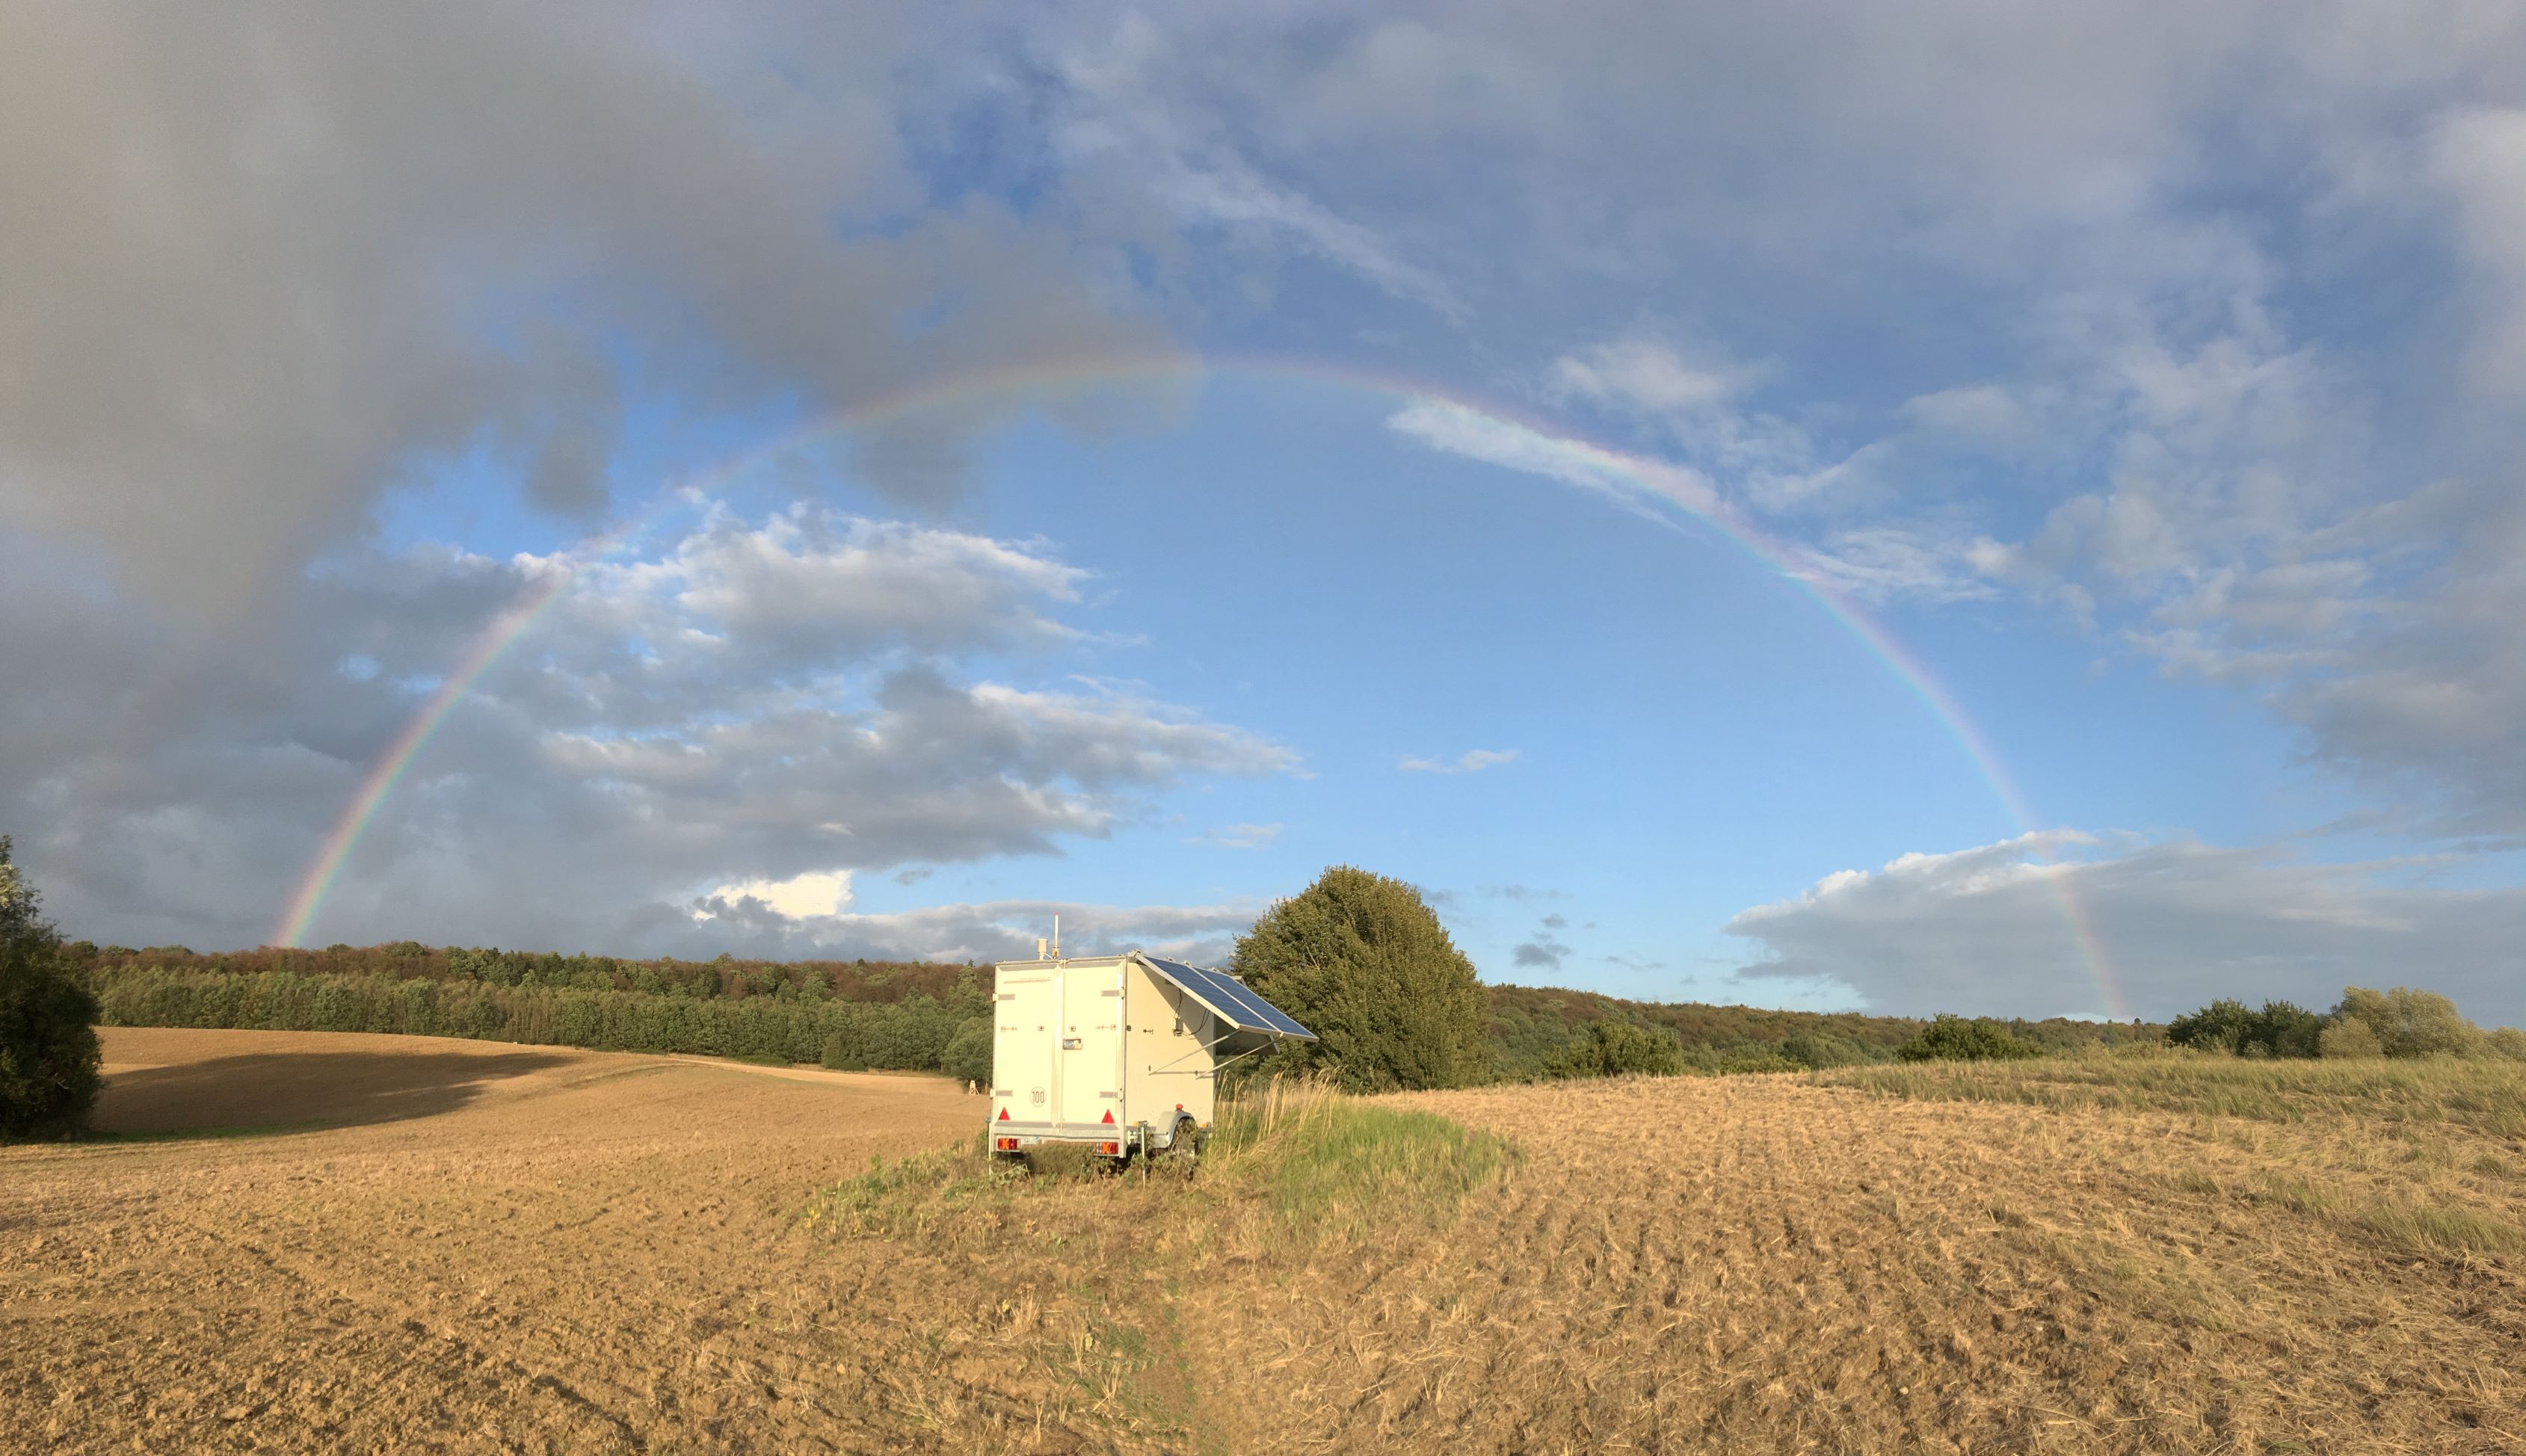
(1531, 1025)
(895, 1015)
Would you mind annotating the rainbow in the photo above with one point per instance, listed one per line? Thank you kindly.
(1486, 429)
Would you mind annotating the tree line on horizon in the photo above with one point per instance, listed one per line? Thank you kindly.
(1357, 957)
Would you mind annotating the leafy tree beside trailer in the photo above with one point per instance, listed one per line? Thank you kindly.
(1363, 963)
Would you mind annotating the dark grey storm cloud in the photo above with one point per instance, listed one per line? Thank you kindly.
(263, 261)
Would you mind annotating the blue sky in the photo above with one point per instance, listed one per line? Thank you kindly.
(2150, 375)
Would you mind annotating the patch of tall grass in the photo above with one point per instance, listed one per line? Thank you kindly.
(1330, 1165)
(2442, 1228)
(1320, 1166)
(916, 1195)
(2484, 1095)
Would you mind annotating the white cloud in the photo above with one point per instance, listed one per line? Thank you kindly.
(1471, 760)
(1987, 414)
(1990, 930)
(1242, 835)
(815, 893)
(1628, 480)
(813, 577)
(1878, 564)
(988, 931)
(1113, 118)
(1648, 376)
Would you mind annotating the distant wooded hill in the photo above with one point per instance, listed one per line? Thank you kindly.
(1529, 1024)
(803, 1010)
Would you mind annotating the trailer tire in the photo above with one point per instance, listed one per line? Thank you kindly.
(1184, 1148)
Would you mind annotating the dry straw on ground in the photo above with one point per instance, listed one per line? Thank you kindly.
(623, 1253)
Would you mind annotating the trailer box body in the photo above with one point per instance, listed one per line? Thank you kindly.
(1119, 1053)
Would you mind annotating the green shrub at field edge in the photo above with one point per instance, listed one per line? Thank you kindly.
(49, 1057)
(1611, 1047)
(2280, 1029)
(2409, 1023)
(1953, 1039)
(2398, 1022)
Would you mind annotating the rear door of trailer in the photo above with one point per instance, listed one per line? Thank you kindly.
(1026, 1031)
(1090, 1049)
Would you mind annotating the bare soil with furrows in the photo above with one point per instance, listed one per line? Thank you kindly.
(1759, 1263)
(505, 1248)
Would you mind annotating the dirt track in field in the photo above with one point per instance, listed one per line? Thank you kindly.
(536, 1250)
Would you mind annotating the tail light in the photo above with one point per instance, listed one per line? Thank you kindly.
(1109, 1149)
(1005, 1144)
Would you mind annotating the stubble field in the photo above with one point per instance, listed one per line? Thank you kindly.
(529, 1249)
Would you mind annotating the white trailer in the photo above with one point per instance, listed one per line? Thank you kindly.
(1118, 1054)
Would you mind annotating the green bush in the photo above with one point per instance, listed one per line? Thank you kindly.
(1360, 961)
(1612, 1048)
(2349, 1040)
(2280, 1029)
(1821, 1049)
(2412, 1024)
(1953, 1039)
(49, 1056)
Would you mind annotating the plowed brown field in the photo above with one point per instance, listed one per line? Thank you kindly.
(1755, 1264)
(548, 1250)
(528, 1249)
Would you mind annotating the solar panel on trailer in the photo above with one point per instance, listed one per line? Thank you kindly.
(1265, 1013)
(1235, 1001)
(1230, 1007)
(1231, 1000)
(1221, 1005)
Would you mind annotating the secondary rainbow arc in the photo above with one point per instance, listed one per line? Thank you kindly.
(1648, 479)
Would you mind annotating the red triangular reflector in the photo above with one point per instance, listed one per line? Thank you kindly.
(1004, 1114)
(1109, 1115)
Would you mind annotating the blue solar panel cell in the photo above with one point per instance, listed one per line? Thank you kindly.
(1231, 1000)
(1265, 1013)
(1199, 984)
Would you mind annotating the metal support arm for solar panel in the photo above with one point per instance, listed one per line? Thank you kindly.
(1206, 1046)
(1220, 1067)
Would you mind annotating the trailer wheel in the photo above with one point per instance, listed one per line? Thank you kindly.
(1183, 1149)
